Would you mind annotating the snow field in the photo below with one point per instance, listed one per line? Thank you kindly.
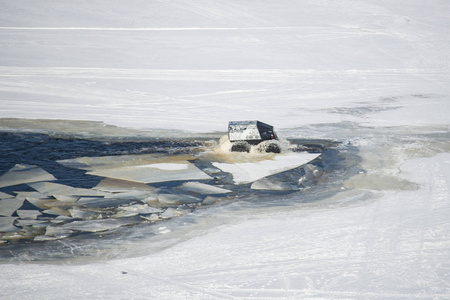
(353, 71)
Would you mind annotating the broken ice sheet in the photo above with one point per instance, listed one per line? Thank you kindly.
(133, 210)
(120, 161)
(124, 214)
(251, 171)
(141, 209)
(61, 219)
(99, 202)
(28, 214)
(58, 204)
(176, 199)
(156, 172)
(136, 209)
(202, 188)
(50, 189)
(82, 214)
(66, 198)
(6, 224)
(271, 185)
(20, 174)
(136, 195)
(41, 203)
(210, 200)
(116, 185)
(5, 196)
(173, 212)
(57, 211)
(58, 231)
(27, 222)
(99, 225)
(54, 233)
(31, 195)
(9, 206)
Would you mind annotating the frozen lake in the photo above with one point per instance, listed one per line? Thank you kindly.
(127, 84)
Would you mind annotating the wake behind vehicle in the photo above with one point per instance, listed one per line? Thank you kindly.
(244, 134)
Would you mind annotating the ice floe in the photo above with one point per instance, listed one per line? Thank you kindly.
(116, 185)
(56, 211)
(202, 188)
(142, 209)
(28, 222)
(6, 224)
(152, 173)
(5, 196)
(121, 161)
(138, 195)
(137, 209)
(145, 168)
(82, 214)
(54, 233)
(51, 189)
(97, 225)
(20, 174)
(177, 199)
(247, 172)
(173, 212)
(9, 206)
(30, 214)
(272, 185)
(41, 203)
(100, 202)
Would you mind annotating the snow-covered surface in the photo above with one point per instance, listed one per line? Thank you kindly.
(195, 65)
(346, 70)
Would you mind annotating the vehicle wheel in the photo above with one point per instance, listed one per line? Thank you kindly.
(240, 147)
(273, 148)
(269, 147)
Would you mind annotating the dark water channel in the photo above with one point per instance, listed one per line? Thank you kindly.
(336, 162)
